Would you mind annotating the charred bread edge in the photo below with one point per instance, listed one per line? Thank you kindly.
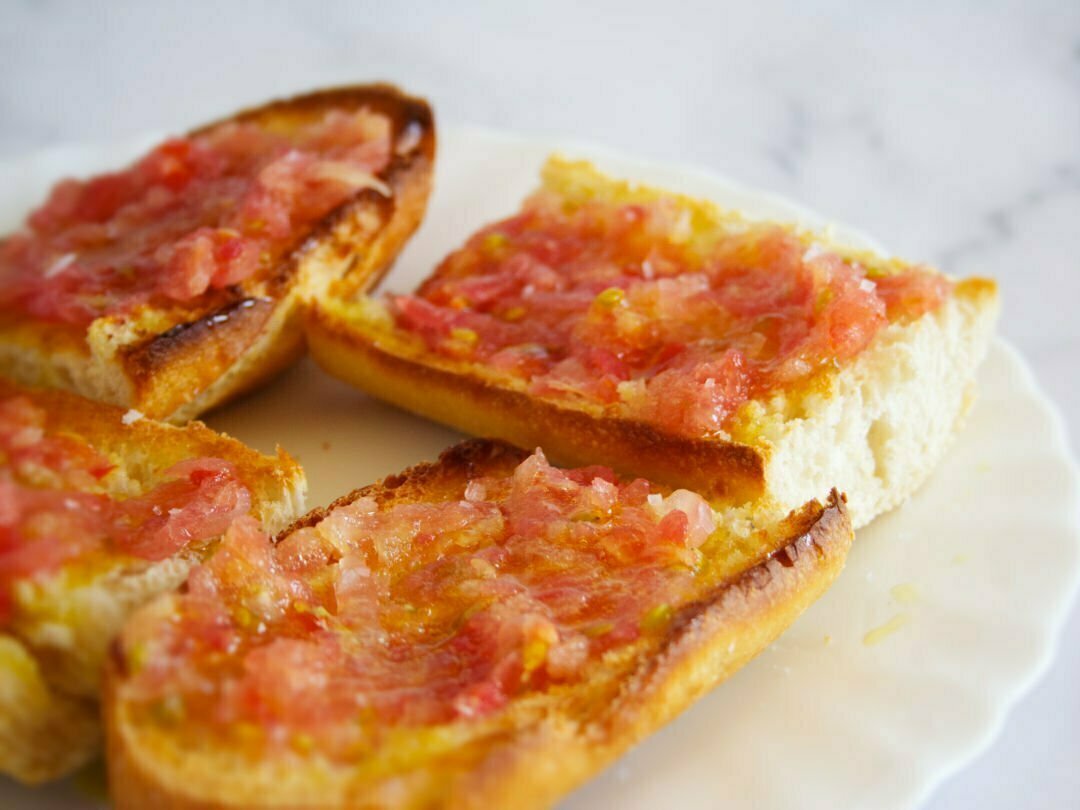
(716, 469)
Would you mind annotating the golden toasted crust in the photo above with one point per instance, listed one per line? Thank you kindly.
(463, 400)
(64, 623)
(542, 746)
(178, 361)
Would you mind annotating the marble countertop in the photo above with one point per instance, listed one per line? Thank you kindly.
(951, 132)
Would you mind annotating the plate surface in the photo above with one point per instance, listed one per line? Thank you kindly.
(899, 675)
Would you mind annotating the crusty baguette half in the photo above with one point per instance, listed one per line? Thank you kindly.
(60, 622)
(873, 426)
(530, 752)
(175, 361)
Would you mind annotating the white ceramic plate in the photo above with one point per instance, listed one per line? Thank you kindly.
(974, 575)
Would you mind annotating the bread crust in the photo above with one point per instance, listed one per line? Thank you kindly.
(572, 436)
(63, 623)
(541, 747)
(175, 362)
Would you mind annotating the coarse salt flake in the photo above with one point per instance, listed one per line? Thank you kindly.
(60, 265)
(131, 417)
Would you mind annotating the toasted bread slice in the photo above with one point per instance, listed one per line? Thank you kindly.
(66, 584)
(523, 634)
(173, 358)
(817, 365)
(43, 733)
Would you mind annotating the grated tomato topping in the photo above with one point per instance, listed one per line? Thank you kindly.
(418, 613)
(197, 213)
(620, 306)
(54, 508)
